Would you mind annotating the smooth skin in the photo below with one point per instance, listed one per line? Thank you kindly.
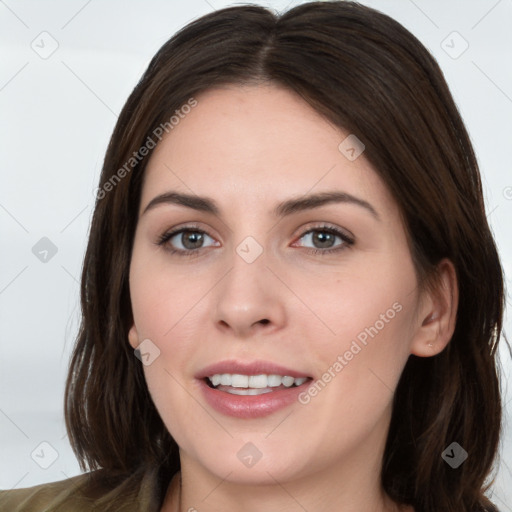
(250, 148)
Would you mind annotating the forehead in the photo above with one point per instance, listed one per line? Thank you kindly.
(257, 145)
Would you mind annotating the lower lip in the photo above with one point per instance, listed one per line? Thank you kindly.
(251, 406)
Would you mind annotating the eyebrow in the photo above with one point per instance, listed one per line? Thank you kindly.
(288, 207)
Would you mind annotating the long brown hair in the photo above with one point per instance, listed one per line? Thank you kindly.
(368, 75)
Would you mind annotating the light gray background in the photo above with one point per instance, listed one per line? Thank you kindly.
(56, 117)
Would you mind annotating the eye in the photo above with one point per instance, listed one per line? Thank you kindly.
(190, 238)
(324, 236)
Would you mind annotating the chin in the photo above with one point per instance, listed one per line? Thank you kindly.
(253, 462)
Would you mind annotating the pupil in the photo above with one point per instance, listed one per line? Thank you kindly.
(189, 236)
(322, 237)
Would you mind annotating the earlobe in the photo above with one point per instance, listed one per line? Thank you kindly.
(133, 337)
(438, 315)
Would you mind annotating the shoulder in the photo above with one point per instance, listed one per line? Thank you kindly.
(50, 496)
(96, 490)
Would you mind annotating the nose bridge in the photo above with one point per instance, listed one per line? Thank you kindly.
(249, 241)
(250, 250)
(248, 270)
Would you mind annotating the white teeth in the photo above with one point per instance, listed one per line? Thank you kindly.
(255, 382)
(274, 380)
(288, 381)
(240, 381)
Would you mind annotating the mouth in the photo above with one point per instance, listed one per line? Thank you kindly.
(251, 390)
(252, 385)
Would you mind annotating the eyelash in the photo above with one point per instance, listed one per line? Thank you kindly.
(163, 239)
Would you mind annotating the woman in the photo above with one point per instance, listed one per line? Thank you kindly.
(291, 297)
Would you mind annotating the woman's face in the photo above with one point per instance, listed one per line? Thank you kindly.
(323, 290)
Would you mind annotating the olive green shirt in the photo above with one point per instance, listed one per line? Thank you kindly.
(143, 490)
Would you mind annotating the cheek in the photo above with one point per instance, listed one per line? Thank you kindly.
(365, 340)
(365, 305)
(357, 376)
(162, 310)
(162, 300)
(162, 306)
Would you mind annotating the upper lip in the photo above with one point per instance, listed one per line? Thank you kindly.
(248, 368)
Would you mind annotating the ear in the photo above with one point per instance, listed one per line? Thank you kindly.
(437, 314)
(133, 337)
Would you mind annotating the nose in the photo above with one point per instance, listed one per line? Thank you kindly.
(249, 298)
